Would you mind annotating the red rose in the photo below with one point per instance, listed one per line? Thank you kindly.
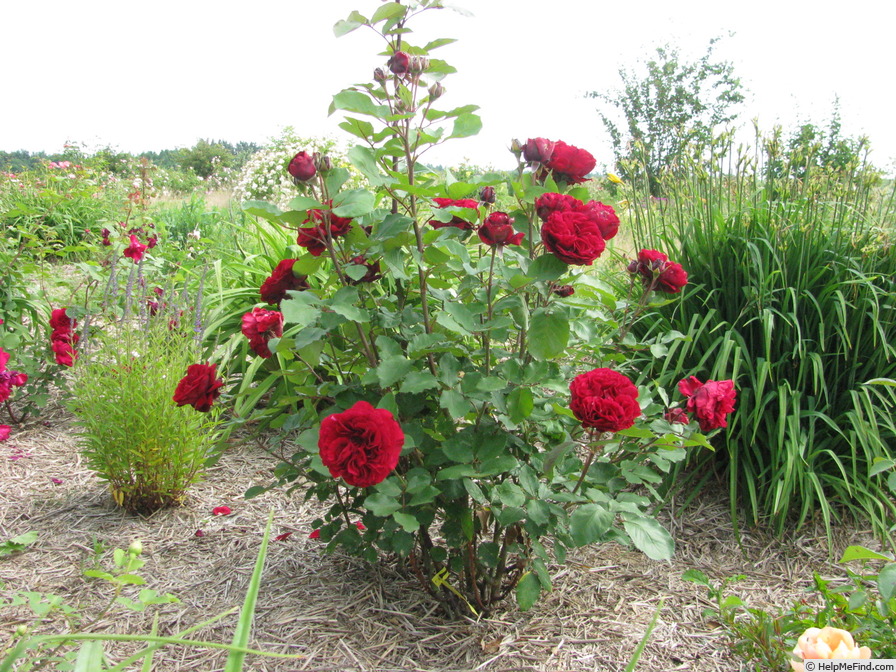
(361, 444)
(604, 216)
(711, 402)
(497, 231)
(302, 167)
(259, 327)
(9, 379)
(604, 400)
(570, 164)
(487, 195)
(399, 63)
(60, 320)
(199, 388)
(677, 416)
(456, 221)
(135, 250)
(572, 237)
(282, 279)
(64, 352)
(658, 272)
(538, 149)
(315, 237)
(564, 290)
(549, 203)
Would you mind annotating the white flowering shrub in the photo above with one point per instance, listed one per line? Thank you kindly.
(264, 177)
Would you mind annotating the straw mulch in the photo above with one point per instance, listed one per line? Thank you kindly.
(341, 614)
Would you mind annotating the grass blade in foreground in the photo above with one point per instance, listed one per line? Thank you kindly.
(247, 615)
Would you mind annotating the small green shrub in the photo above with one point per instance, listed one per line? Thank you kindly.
(132, 434)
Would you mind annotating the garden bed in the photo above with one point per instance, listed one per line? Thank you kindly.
(342, 614)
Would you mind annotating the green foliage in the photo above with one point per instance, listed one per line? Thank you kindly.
(466, 346)
(673, 105)
(132, 434)
(864, 604)
(17, 544)
(791, 293)
(205, 158)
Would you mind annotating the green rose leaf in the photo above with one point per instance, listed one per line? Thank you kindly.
(588, 523)
(649, 536)
(548, 334)
(528, 590)
(353, 203)
(393, 369)
(886, 581)
(407, 521)
(382, 505)
(466, 125)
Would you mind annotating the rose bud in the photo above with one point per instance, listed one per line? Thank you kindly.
(564, 290)
(487, 195)
(538, 149)
(418, 64)
(302, 167)
(436, 91)
(516, 148)
(379, 76)
(322, 162)
(399, 63)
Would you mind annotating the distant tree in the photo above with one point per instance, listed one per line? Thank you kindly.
(20, 160)
(667, 107)
(205, 157)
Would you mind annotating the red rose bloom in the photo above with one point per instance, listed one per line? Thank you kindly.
(63, 339)
(497, 231)
(64, 352)
(549, 203)
(282, 279)
(570, 164)
(9, 379)
(711, 402)
(135, 250)
(677, 416)
(538, 150)
(361, 445)
(302, 167)
(658, 272)
(572, 237)
(59, 320)
(259, 327)
(315, 237)
(602, 215)
(604, 400)
(564, 290)
(199, 388)
(399, 63)
(456, 221)
(487, 195)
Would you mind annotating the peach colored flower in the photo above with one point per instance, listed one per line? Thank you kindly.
(827, 644)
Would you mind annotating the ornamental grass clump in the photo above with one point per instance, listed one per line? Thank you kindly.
(437, 361)
(147, 445)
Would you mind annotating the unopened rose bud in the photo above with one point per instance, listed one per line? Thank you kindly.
(302, 167)
(487, 195)
(21, 631)
(379, 75)
(322, 162)
(136, 547)
(418, 64)
(516, 148)
(399, 63)
(436, 91)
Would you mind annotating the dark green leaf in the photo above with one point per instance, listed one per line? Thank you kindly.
(528, 590)
(548, 334)
(381, 505)
(588, 523)
(649, 536)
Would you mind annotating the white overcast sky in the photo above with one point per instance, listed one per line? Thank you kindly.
(148, 76)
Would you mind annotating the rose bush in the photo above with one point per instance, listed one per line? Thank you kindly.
(468, 397)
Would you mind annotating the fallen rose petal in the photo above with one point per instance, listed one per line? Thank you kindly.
(221, 511)
(284, 536)
(199, 533)
(56, 481)
(314, 535)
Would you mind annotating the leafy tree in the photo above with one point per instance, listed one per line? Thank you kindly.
(669, 106)
(205, 157)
